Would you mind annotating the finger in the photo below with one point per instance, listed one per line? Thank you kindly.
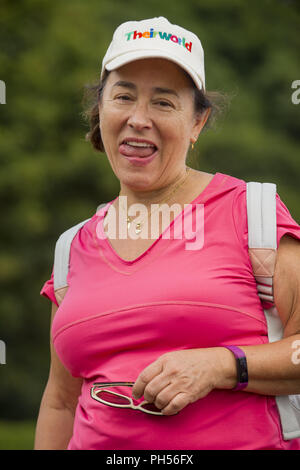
(179, 400)
(165, 395)
(173, 388)
(177, 403)
(145, 377)
(156, 386)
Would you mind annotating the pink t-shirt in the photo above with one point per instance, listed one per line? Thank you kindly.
(119, 316)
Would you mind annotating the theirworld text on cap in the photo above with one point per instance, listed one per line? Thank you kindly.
(160, 35)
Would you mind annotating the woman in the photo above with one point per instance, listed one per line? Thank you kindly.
(141, 348)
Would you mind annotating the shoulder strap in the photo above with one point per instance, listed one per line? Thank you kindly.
(62, 256)
(262, 243)
(262, 235)
(61, 260)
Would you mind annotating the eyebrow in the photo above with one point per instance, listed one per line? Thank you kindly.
(132, 86)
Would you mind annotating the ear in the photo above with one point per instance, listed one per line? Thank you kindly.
(200, 121)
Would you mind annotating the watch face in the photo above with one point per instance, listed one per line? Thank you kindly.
(244, 377)
(243, 372)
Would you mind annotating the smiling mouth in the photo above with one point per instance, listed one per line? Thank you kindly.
(130, 148)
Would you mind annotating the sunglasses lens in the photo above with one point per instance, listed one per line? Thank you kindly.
(108, 397)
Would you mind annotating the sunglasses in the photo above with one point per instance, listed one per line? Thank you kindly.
(100, 391)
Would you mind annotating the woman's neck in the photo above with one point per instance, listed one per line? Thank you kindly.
(170, 192)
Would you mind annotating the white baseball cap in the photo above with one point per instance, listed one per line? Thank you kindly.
(156, 38)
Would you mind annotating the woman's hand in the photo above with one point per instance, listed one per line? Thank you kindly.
(178, 378)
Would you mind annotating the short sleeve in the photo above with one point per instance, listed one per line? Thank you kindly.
(48, 290)
(286, 225)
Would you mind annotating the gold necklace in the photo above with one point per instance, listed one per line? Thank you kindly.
(138, 225)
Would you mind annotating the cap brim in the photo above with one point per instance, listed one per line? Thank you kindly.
(151, 54)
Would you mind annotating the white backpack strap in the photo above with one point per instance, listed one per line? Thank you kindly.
(262, 235)
(262, 243)
(61, 260)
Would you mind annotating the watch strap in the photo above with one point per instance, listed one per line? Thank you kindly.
(241, 365)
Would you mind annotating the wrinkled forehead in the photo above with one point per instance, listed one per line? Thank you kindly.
(152, 71)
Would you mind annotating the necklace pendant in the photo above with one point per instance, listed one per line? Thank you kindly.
(128, 223)
(138, 228)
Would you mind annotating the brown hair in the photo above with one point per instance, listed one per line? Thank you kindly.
(214, 100)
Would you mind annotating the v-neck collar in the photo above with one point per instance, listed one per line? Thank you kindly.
(108, 253)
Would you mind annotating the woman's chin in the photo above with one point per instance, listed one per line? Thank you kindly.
(136, 180)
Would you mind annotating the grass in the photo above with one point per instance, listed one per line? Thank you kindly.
(17, 435)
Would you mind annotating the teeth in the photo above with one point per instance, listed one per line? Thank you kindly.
(139, 144)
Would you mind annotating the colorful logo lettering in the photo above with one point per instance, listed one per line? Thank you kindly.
(161, 35)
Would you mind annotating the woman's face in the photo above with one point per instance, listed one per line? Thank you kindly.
(147, 110)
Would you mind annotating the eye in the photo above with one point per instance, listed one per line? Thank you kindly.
(123, 98)
(164, 104)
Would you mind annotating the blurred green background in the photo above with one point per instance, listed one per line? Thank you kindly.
(51, 178)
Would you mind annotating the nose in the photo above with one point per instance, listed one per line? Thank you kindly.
(139, 118)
